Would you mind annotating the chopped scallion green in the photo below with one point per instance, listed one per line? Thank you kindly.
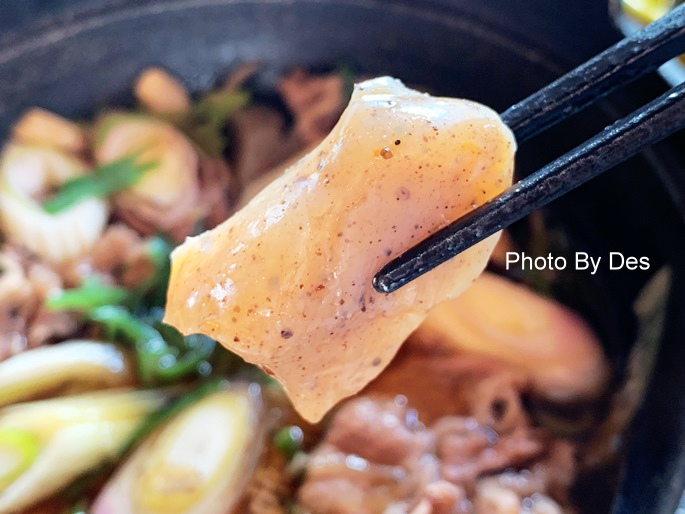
(92, 293)
(104, 181)
(289, 440)
(164, 355)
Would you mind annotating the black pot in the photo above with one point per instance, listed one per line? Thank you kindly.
(495, 51)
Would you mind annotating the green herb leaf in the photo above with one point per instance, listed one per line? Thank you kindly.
(208, 116)
(185, 354)
(104, 181)
(349, 77)
(92, 293)
(164, 355)
(289, 440)
(119, 324)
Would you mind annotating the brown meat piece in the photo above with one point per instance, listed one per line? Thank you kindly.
(211, 203)
(469, 450)
(219, 191)
(118, 244)
(359, 468)
(316, 102)
(119, 257)
(47, 325)
(17, 301)
(269, 487)
(376, 431)
(453, 383)
(261, 142)
(377, 457)
(24, 322)
(495, 497)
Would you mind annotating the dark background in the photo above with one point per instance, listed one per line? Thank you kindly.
(536, 20)
(14, 13)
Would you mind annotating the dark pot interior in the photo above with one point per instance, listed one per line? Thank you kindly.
(493, 51)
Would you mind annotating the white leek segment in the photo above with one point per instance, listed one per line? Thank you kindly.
(45, 445)
(29, 172)
(72, 365)
(198, 463)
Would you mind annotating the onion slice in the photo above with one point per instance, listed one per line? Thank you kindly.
(45, 445)
(197, 463)
(26, 173)
(73, 365)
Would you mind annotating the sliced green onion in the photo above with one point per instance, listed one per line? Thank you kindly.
(185, 353)
(73, 365)
(79, 493)
(104, 181)
(149, 345)
(164, 354)
(74, 434)
(289, 440)
(90, 294)
(199, 461)
(53, 237)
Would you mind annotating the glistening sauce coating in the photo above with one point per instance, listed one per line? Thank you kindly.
(286, 282)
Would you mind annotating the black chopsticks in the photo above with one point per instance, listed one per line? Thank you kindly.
(624, 62)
